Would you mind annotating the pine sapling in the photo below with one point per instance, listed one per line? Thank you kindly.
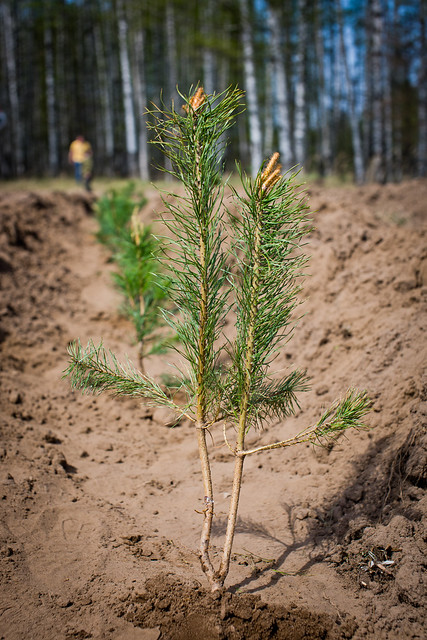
(139, 276)
(113, 213)
(144, 285)
(265, 249)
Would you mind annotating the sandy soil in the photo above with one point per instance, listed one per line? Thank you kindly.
(99, 519)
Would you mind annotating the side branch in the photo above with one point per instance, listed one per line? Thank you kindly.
(343, 415)
(96, 369)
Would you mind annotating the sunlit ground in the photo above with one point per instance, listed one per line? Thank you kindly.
(102, 184)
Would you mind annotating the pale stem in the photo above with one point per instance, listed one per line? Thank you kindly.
(208, 510)
(232, 518)
(240, 443)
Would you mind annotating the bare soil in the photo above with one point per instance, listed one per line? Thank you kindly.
(99, 521)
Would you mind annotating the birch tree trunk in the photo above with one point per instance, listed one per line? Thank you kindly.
(141, 100)
(130, 125)
(300, 128)
(359, 171)
(250, 85)
(12, 81)
(325, 130)
(208, 56)
(375, 23)
(281, 91)
(269, 108)
(398, 71)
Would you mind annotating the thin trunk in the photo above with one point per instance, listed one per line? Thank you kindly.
(255, 136)
(300, 128)
(171, 61)
(281, 93)
(422, 96)
(269, 107)
(63, 76)
(398, 80)
(325, 130)
(243, 418)
(376, 27)
(130, 125)
(52, 135)
(105, 99)
(208, 511)
(388, 117)
(12, 82)
(208, 56)
(359, 171)
(141, 100)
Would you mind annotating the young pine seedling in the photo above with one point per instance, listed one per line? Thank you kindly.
(139, 276)
(113, 213)
(262, 286)
(144, 285)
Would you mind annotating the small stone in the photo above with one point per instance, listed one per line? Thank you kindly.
(354, 493)
(16, 397)
(322, 390)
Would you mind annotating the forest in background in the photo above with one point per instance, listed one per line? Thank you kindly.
(336, 86)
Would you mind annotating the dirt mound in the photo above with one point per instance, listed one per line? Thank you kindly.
(99, 505)
(188, 611)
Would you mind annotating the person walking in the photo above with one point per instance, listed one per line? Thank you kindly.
(87, 169)
(78, 153)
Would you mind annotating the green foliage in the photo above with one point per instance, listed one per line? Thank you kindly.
(113, 212)
(265, 246)
(139, 277)
(267, 236)
(197, 259)
(95, 369)
(143, 283)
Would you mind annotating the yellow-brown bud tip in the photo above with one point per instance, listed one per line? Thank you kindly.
(272, 179)
(270, 166)
(271, 173)
(196, 101)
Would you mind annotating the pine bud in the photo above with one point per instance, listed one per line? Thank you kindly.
(196, 101)
(136, 227)
(271, 173)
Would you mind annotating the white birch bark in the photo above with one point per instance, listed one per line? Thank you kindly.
(269, 108)
(250, 85)
(130, 125)
(300, 127)
(375, 23)
(281, 89)
(325, 130)
(141, 101)
(359, 171)
(12, 83)
(208, 56)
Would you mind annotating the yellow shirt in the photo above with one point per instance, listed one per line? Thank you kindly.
(79, 150)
